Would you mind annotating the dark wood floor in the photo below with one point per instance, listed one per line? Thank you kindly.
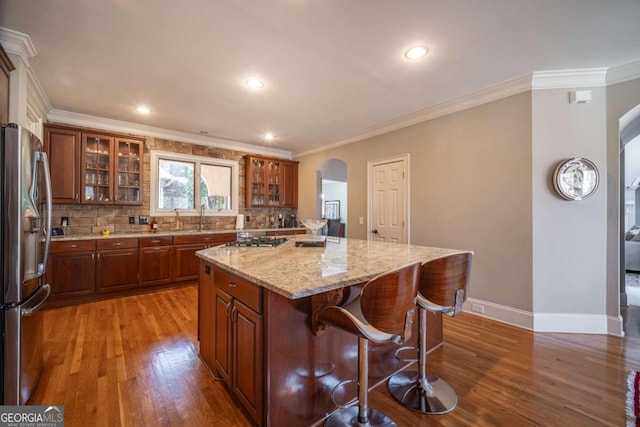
(133, 362)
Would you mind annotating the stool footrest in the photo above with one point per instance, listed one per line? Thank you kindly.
(402, 359)
(333, 393)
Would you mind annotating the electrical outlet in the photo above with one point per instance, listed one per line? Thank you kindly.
(478, 308)
(64, 221)
(132, 220)
(143, 220)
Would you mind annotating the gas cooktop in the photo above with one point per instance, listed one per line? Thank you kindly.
(269, 242)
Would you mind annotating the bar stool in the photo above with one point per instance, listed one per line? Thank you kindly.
(383, 312)
(443, 288)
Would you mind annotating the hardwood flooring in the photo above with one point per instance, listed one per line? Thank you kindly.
(134, 362)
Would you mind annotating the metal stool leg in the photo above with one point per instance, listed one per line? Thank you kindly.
(420, 391)
(361, 415)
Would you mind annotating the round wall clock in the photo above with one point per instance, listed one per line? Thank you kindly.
(576, 179)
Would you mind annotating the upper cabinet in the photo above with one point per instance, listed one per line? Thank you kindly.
(270, 182)
(94, 168)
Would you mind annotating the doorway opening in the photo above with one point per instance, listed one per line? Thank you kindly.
(332, 200)
(630, 221)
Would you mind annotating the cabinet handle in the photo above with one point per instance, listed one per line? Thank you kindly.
(232, 285)
(73, 246)
(229, 311)
(117, 243)
(234, 314)
(76, 198)
(98, 256)
(156, 241)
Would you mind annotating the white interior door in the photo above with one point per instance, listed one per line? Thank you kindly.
(388, 202)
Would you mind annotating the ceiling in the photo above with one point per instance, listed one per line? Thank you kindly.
(332, 68)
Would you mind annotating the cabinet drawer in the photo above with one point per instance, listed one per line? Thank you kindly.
(126, 243)
(244, 291)
(204, 238)
(146, 242)
(73, 246)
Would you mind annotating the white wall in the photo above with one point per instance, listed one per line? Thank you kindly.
(334, 190)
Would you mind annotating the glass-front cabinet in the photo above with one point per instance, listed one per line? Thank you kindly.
(111, 170)
(129, 179)
(97, 167)
(266, 184)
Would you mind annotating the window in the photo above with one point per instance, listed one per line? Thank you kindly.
(173, 185)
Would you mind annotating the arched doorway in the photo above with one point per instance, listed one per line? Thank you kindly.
(630, 212)
(332, 191)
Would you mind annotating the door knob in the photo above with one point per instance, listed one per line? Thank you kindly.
(374, 231)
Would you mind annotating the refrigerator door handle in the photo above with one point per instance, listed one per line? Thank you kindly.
(36, 300)
(42, 157)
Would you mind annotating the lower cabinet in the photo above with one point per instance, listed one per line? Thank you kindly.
(71, 269)
(231, 335)
(117, 264)
(156, 260)
(185, 247)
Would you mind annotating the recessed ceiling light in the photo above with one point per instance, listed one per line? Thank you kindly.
(416, 52)
(269, 136)
(143, 110)
(254, 83)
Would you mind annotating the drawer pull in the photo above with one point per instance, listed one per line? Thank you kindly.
(117, 244)
(232, 285)
(73, 246)
(156, 241)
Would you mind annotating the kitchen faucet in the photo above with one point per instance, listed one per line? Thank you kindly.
(202, 207)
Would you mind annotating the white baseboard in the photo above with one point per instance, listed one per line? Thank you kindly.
(546, 322)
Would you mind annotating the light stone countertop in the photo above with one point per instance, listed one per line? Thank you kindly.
(296, 272)
(163, 233)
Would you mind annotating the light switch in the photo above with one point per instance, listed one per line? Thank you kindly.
(361, 220)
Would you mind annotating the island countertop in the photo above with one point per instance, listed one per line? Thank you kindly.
(297, 272)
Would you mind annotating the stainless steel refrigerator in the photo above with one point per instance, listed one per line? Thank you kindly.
(25, 224)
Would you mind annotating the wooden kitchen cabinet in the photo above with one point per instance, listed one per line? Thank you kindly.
(156, 266)
(270, 182)
(231, 333)
(62, 146)
(71, 268)
(117, 264)
(185, 248)
(94, 167)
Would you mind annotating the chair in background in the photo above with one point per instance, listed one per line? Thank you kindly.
(443, 288)
(383, 312)
(335, 228)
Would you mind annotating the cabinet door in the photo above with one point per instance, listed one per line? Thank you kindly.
(71, 273)
(155, 265)
(290, 185)
(255, 181)
(274, 183)
(63, 149)
(128, 173)
(186, 262)
(222, 331)
(117, 270)
(96, 171)
(206, 315)
(247, 359)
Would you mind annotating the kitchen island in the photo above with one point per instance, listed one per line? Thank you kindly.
(257, 327)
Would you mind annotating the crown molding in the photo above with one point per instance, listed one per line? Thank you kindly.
(539, 80)
(38, 105)
(624, 73)
(494, 93)
(84, 120)
(18, 44)
(563, 79)
(502, 90)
